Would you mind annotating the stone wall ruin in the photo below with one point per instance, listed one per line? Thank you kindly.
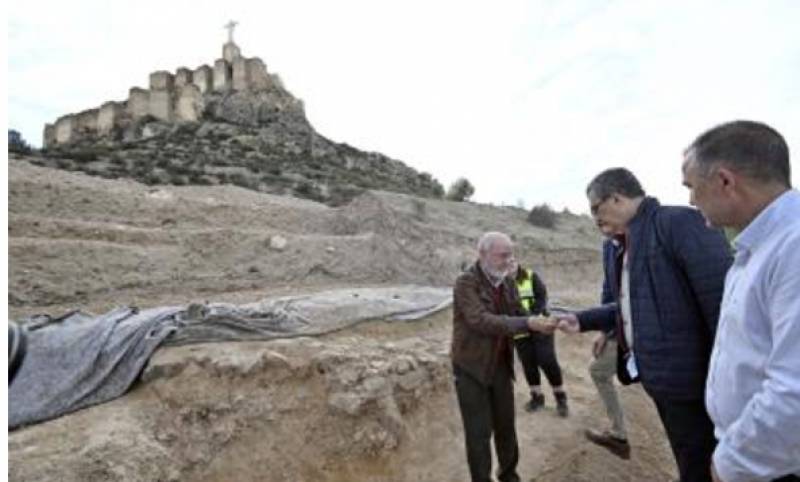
(171, 97)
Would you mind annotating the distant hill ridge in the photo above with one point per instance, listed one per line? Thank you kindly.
(233, 123)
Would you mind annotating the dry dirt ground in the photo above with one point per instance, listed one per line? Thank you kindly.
(76, 240)
(371, 403)
(552, 448)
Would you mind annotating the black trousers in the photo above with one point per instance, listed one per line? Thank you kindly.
(539, 351)
(487, 411)
(691, 436)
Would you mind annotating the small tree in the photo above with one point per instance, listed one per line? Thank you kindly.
(461, 190)
(542, 216)
(16, 143)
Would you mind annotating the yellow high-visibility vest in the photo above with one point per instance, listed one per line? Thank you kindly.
(525, 289)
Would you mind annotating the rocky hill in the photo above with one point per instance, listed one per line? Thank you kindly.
(234, 123)
(245, 140)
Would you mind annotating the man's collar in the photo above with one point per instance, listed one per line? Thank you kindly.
(648, 204)
(766, 221)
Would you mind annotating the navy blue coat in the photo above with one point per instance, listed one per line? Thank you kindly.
(611, 250)
(677, 270)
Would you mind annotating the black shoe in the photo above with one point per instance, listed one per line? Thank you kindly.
(617, 446)
(535, 403)
(561, 404)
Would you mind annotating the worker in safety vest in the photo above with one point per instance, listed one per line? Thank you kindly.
(537, 350)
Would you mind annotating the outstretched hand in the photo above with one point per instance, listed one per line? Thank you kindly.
(542, 324)
(567, 322)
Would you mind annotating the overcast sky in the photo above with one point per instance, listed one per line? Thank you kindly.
(526, 99)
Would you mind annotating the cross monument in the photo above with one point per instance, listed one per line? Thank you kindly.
(230, 26)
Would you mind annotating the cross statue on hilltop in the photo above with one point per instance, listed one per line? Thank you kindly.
(230, 26)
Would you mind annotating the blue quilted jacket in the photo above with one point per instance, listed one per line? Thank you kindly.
(677, 273)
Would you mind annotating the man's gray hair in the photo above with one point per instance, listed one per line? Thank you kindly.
(488, 239)
(752, 149)
(617, 180)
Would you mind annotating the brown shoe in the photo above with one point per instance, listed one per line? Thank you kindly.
(617, 446)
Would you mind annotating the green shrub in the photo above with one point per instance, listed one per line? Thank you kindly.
(177, 180)
(542, 216)
(199, 180)
(309, 190)
(241, 180)
(83, 156)
(16, 143)
(341, 194)
(461, 190)
(65, 164)
(152, 178)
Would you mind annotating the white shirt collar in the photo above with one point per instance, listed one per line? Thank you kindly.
(762, 225)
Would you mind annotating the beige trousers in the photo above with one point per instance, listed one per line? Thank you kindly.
(603, 370)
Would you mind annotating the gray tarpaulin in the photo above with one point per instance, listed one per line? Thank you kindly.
(314, 314)
(81, 360)
(84, 360)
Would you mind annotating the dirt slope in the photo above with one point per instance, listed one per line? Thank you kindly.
(373, 403)
(76, 240)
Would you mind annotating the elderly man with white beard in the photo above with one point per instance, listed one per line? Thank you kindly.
(487, 313)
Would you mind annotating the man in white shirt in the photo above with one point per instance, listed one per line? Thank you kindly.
(738, 175)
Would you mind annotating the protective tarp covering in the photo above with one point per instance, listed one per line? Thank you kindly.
(82, 360)
(314, 314)
(79, 360)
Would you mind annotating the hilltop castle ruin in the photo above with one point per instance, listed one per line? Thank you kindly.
(233, 123)
(171, 97)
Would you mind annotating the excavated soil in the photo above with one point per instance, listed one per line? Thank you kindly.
(371, 403)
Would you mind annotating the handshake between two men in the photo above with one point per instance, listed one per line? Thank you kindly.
(565, 322)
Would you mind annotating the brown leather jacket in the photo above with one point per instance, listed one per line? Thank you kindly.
(481, 332)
